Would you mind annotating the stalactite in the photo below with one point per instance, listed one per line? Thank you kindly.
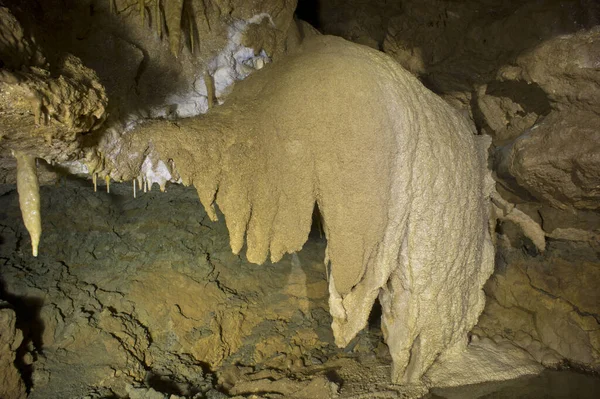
(29, 197)
(191, 33)
(209, 82)
(173, 13)
(400, 224)
(158, 18)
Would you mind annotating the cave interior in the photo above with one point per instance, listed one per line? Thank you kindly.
(181, 217)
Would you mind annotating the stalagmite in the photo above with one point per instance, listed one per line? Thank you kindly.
(107, 179)
(29, 197)
(95, 180)
(134, 193)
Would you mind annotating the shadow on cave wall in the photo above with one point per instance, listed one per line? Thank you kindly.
(309, 11)
(31, 324)
(132, 63)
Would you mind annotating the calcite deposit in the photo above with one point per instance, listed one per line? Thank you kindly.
(393, 212)
(300, 147)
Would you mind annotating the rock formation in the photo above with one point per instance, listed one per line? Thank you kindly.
(11, 384)
(393, 213)
(332, 132)
(527, 74)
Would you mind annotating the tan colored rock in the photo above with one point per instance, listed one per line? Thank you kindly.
(17, 48)
(320, 126)
(242, 382)
(11, 384)
(42, 113)
(565, 67)
(482, 361)
(547, 306)
(558, 160)
(504, 118)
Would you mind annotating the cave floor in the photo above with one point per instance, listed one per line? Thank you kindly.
(143, 296)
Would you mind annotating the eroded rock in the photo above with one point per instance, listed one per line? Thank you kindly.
(557, 160)
(549, 305)
(11, 384)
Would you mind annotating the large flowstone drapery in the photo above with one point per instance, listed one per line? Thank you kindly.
(398, 176)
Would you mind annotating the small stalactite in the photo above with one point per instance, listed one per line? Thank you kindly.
(142, 5)
(173, 13)
(191, 32)
(29, 197)
(210, 89)
(177, 16)
(158, 18)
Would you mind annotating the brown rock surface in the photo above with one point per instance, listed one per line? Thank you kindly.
(11, 384)
(137, 291)
(549, 305)
(558, 160)
(43, 109)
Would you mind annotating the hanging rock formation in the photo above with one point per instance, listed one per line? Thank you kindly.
(397, 174)
(44, 111)
(527, 75)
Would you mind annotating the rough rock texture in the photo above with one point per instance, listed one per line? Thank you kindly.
(527, 74)
(43, 109)
(142, 297)
(557, 160)
(11, 384)
(278, 146)
(154, 59)
(146, 291)
(548, 305)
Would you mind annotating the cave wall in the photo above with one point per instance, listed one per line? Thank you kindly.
(525, 73)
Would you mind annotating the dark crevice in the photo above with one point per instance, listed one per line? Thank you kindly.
(308, 10)
(375, 316)
(27, 310)
(529, 96)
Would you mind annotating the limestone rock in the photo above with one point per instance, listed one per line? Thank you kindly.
(565, 67)
(557, 160)
(127, 44)
(146, 292)
(483, 360)
(549, 306)
(17, 48)
(43, 111)
(270, 382)
(11, 384)
(309, 129)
